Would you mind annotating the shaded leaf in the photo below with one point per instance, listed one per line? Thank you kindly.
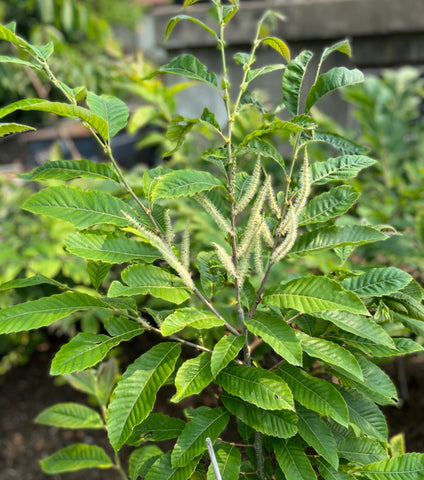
(174, 20)
(156, 428)
(70, 415)
(162, 469)
(228, 458)
(361, 450)
(292, 81)
(142, 459)
(293, 461)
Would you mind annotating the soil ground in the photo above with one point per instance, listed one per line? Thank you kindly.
(26, 391)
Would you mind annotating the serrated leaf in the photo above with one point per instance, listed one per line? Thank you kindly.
(110, 249)
(76, 457)
(183, 183)
(261, 387)
(212, 274)
(228, 458)
(376, 385)
(70, 415)
(209, 117)
(361, 450)
(293, 461)
(329, 473)
(315, 294)
(316, 433)
(26, 282)
(157, 427)
(276, 423)
(278, 45)
(339, 168)
(87, 349)
(97, 271)
(292, 81)
(193, 376)
(9, 128)
(345, 146)
(330, 352)
(364, 414)
(400, 346)
(192, 441)
(150, 280)
(259, 72)
(225, 350)
(162, 469)
(113, 111)
(135, 394)
(44, 311)
(69, 169)
(142, 459)
(174, 20)
(190, 67)
(343, 46)
(82, 209)
(406, 467)
(328, 205)
(189, 317)
(276, 333)
(315, 393)
(335, 236)
(377, 282)
(335, 78)
(261, 148)
(60, 109)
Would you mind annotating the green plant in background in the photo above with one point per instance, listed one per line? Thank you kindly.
(287, 358)
(388, 110)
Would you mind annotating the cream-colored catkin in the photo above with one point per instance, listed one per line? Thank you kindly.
(169, 231)
(164, 249)
(305, 186)
(258, 257)
(276, 209)
(250, 192)
(226, 260)
(242, 268)
(284, 248)
(214, 213)
(185, 248)
(255, 220)
(266, 234)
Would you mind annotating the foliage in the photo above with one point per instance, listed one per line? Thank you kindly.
(288, 357)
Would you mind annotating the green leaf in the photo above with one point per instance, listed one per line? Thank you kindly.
(376, 385)
(70, 415)
(142, 459)
(82, 209)
(335, 236)
(60, 109)
(315, 294)
(292, 82)
(316, 433)
(276, 423)
(8, 128)
(335, 78)
(278, 45)
(70, 169)
(110, 249)
(330, 352)
(156, 428)
(150, 280)
(328, 205)
(162, 469)
(44, 311)
(345, 146)
(107, 376)
(329, 473)
(228, 458)
(261, 148)
(377, 282)
(76, 457)
(209, 117)
(361, 450)
(135, 394)
(339, 168)
(343, 46)
(189, 317)
(314, 393)
(87, 349)
(190, 67)
(193, 376)
(409, 466)
(212, 275)
(174, 20)
(400, 346)
(192, 441)
(18, 61)
(225, 350)
(85, 381)
(259, 72)
(364, 414)
(261, 387)
(293, 461)
(97, 271)
(113, 111)
(26, 282)
(177, 131)
(276, 333)
(358, 325)
(184, 183)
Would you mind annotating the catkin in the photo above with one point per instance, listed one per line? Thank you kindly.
(226, 260)
(250, 193)
(185, 248)
(214, 213)
(284, 248)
